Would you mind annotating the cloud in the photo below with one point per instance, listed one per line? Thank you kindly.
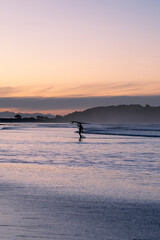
(81, 91)
(51, 104)
(5, 91)
(105, 89)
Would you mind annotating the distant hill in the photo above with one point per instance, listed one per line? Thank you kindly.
(8, 114)
(112, 114)
(115, 114)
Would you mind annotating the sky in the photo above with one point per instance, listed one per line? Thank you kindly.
(58, 56)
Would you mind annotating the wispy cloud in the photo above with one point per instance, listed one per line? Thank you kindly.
(7, 91)
(84, 90)
(107, 89)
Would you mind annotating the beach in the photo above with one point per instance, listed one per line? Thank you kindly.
(55, 187)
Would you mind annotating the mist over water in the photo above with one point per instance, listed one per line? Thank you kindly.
(70, 189)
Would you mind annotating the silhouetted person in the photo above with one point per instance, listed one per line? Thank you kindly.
(79, 125)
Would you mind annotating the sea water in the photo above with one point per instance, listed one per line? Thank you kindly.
(57, 186)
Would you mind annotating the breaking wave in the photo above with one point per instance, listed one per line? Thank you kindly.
(137, 130)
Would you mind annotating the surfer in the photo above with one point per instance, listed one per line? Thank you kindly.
(80, 127)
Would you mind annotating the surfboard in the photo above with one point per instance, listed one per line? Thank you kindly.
(79, 122)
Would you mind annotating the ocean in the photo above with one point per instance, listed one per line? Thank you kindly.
(104, 187)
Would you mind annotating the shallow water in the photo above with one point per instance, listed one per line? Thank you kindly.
(54, 186)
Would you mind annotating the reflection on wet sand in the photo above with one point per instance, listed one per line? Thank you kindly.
(37, 213)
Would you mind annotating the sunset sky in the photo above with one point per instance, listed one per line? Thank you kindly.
(62, 55)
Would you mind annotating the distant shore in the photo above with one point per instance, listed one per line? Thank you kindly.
(111, 114)
(23, 120)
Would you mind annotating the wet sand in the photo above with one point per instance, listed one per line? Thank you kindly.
(29, 211)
